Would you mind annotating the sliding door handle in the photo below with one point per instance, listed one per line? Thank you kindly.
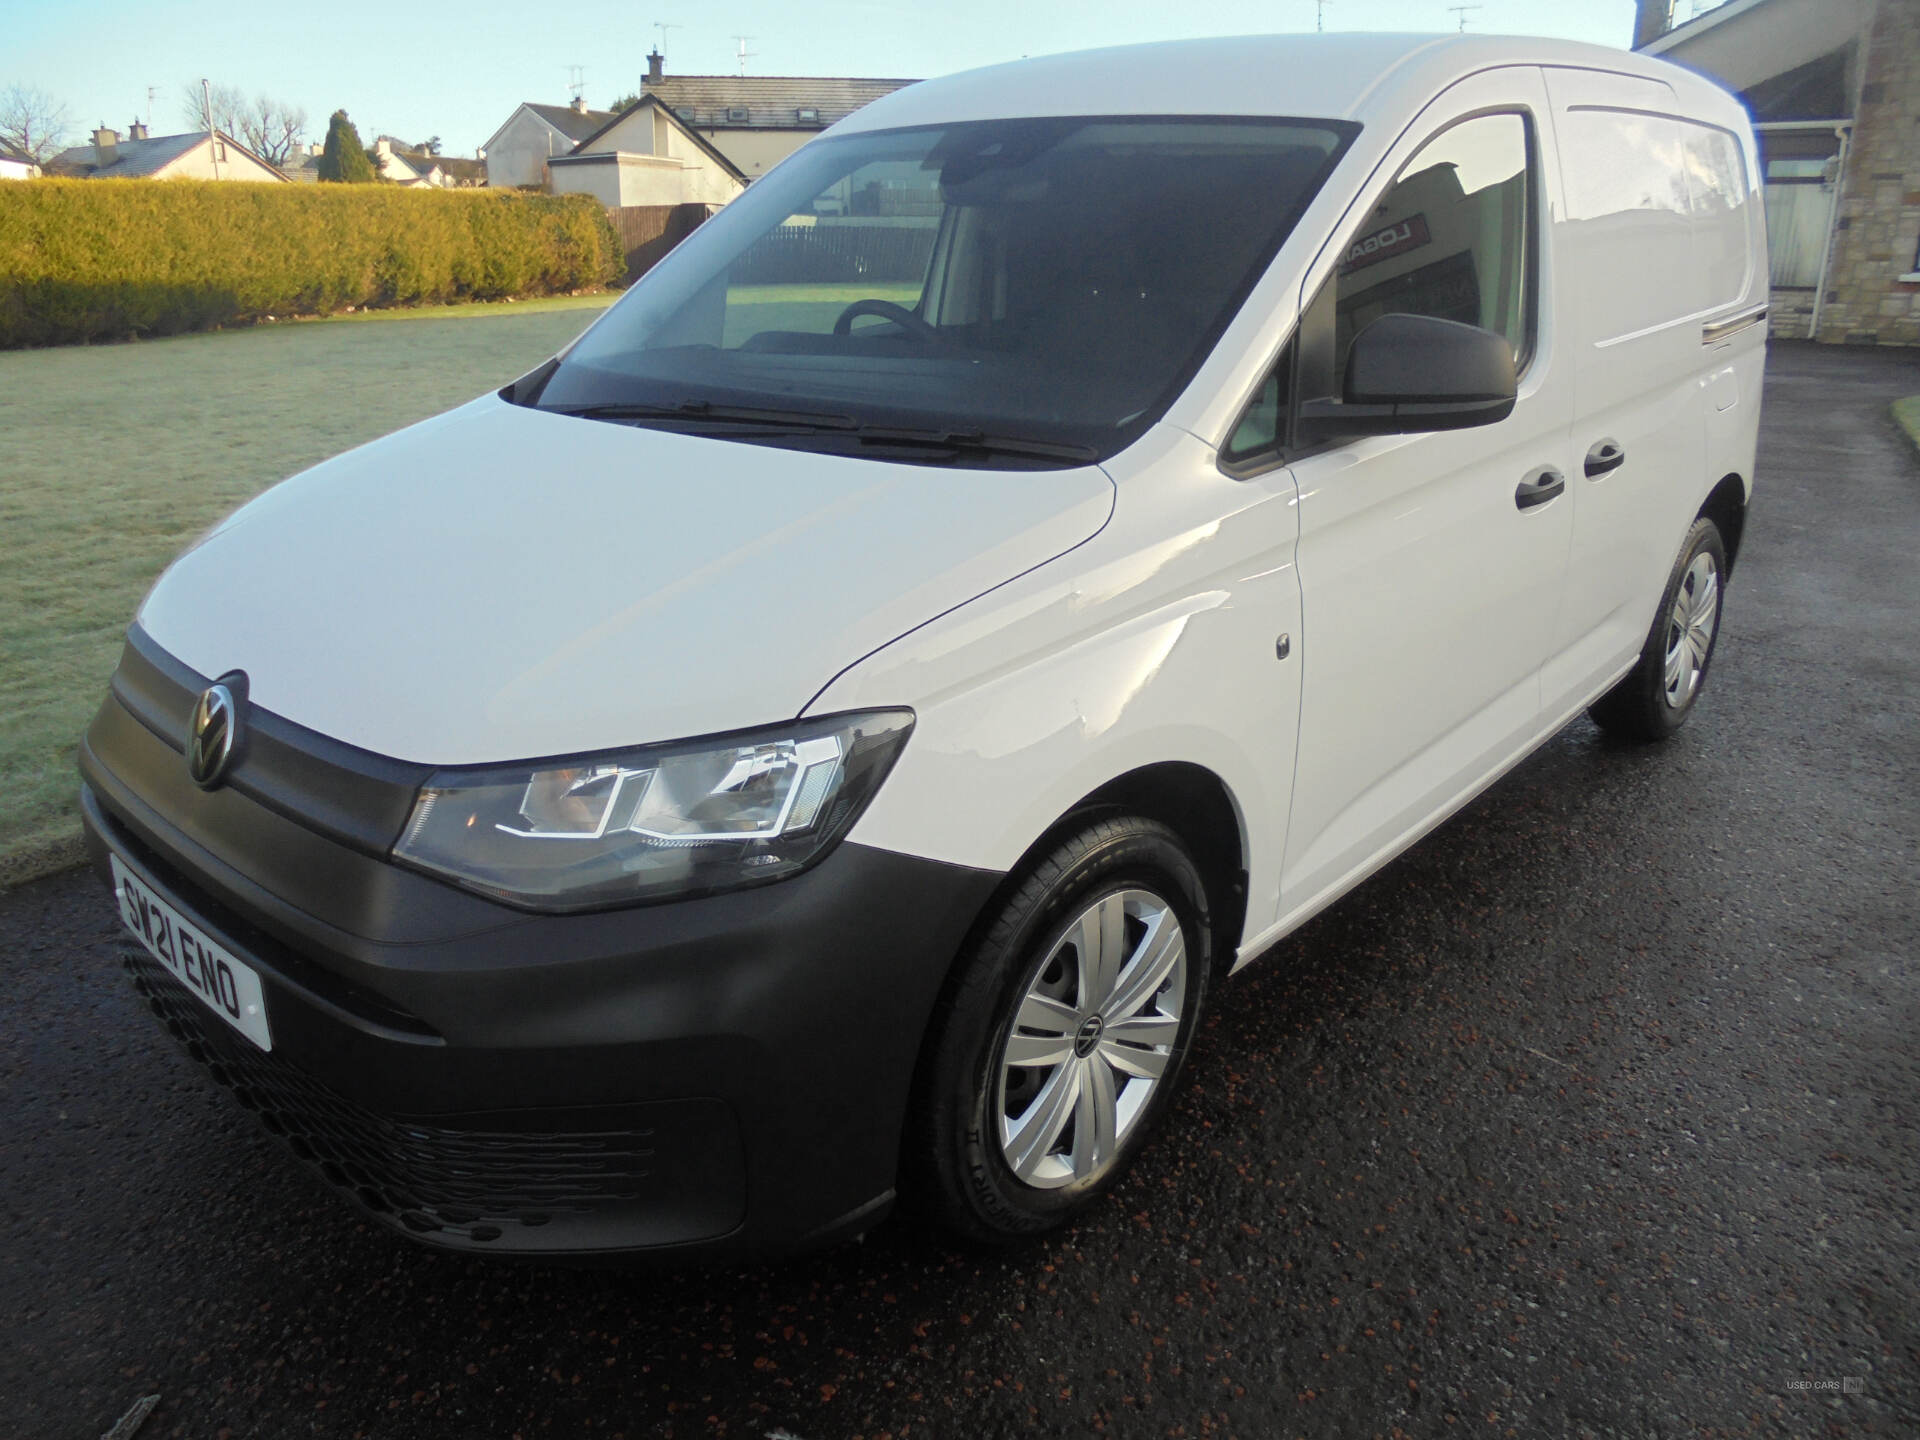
(1539, 487)
(1604, 458)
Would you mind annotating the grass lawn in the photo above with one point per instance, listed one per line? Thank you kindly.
(1906, 414)
(113, 458)
(753, 308)
(478, 309)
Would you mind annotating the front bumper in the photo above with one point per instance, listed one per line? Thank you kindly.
(719, 1076)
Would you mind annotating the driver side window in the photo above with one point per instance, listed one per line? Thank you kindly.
(1453, 238)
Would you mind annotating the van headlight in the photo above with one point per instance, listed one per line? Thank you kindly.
(668, 821)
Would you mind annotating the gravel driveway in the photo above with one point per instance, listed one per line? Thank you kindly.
(1593, 1115)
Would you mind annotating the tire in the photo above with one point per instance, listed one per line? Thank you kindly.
(968, 1159)
(1657, 695)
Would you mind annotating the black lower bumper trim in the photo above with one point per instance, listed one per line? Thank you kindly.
(661, 1174)
(765, 1039)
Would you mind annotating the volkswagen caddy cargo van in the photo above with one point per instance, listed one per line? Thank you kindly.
(827, 734)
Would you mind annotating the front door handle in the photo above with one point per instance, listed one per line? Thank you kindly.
(1604, 458)
(1539, 487)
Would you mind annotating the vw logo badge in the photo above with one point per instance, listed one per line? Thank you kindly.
(1088, 1036)
(216, 725)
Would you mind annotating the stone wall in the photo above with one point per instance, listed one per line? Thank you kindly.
(1790, 315)
(1868, 302)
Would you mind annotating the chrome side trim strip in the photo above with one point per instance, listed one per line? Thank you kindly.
(1714, 331)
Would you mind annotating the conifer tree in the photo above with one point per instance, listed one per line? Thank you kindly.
(343, 158)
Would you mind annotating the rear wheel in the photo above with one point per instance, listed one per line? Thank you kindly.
(1658, 694)
(1062, 1035)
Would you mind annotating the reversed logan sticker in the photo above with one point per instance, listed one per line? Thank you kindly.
(1398, 238)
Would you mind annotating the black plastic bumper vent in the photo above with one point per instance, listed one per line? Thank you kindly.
(471, 1184)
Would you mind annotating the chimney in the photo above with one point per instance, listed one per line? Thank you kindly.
(579, 104)
(383, 147)
(1651, 20)
(656, 65)
(106, 147)
(136, 131)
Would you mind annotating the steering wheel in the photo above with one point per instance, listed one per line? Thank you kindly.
(886, 310)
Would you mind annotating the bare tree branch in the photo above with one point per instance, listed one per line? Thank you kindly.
(32, 122)
(272, 129)
(229, 104)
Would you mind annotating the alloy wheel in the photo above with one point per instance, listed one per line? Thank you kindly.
(1690, 627)
(1091, 1039)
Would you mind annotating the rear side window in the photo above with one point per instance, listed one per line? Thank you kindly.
(1665, 203)
(1717, 195)
(1451, 239)
(1618, 163)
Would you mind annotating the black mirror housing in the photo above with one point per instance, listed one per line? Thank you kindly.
(1408, 373)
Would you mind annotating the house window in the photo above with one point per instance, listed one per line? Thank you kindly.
(1796, 167)
(1800, 167)
(1799, 157)
(736, 112)
(807, 115)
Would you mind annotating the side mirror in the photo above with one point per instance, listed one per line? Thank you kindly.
(1408, 373)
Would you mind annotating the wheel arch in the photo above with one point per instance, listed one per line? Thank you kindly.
(1726, 506)
(1194, 803)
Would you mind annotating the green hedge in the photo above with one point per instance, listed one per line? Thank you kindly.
(108, 259)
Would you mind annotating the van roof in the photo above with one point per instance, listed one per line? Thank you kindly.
(1345, 77)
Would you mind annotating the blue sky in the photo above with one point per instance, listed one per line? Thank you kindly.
(456, 68)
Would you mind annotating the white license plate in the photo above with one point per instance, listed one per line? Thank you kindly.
(220, 982)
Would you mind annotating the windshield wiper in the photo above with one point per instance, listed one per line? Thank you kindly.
(977, 442)
(701, 412)
(751, 421)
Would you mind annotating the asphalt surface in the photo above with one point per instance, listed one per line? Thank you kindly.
(1593, 1115)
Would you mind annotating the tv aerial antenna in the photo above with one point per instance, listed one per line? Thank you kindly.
(1462, 11)
(661, 27)
(1320, 14)
(744, 54)
(577, 80)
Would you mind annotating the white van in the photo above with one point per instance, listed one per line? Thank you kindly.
(824, 734)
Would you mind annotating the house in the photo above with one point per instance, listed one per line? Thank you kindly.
(400, 163)
(459, 172)
(1834, 89)
(15, 165)
(200, 155)
(756, 121)
(517, 153)
(647, 155)
(395, 161)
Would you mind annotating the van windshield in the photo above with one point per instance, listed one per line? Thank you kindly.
(1011, 292)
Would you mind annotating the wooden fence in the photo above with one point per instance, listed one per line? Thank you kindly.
(648, 232)
(790, 255)
(822, 254)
